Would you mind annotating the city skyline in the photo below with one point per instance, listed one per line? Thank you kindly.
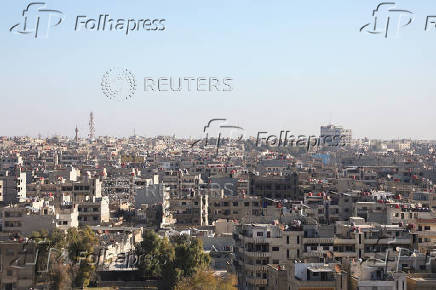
(290, 70)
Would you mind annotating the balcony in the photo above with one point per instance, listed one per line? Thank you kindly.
(258, 240)
(426, 233)
(311, 254)
(258, 254)
(427, 244)
(318, 240)
(337, 241)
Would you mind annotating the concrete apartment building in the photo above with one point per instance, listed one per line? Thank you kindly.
(245, 208)
(275, 186)
(257, 245)
(77, 190)
(426, 232)
(372, 275)
(17, 267)
(234, 207)
(19, 219)
(10, 162)
(358, 239)
(67, 216)
(303, 276)
(190, 210)
(13, 185)
(26, 219)
(333, 130)
(181, 182)
(94, 211)
(328, 210)
(153, 204)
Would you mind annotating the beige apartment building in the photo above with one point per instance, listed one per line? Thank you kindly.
(94, 211)
(426, 232)
(13, 186)
(17, 267)
(75, 190)
(190, 210)
(257, 245)
(304, 276)
(359, 239)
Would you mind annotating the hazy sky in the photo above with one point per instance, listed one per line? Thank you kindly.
(296, 65)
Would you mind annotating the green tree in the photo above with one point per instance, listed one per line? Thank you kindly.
(81, 243)
(155, 255)
(170, 261)
(190, 256)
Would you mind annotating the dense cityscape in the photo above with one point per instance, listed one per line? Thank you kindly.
(160, 213)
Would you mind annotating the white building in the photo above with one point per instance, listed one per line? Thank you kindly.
(333, 130)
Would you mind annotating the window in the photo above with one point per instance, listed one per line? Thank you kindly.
(259, 234)
(275, 249)
(426, 228)
(235, 203)
(287, 240)
(246, 204)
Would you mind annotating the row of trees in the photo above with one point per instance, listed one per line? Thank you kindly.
(179, 263)
(65, 271)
